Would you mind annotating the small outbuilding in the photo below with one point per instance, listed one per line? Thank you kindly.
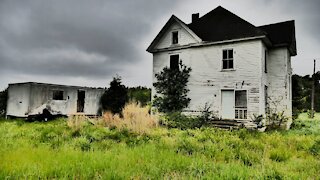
(31, 98)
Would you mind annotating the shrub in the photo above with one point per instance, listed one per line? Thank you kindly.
(258, 119)
(276, 121)
(206, 116)
(178, 120)
(3, 102)
(140, 94)
(171, 85)
(115, 97)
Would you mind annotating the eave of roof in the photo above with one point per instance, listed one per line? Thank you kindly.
(56, 85)
(282, 34)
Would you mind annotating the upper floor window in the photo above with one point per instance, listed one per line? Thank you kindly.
(227, 59)
(57, 95)
(265, 61)
(175, 37)
(174, 62)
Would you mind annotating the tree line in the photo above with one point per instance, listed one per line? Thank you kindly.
(301, 93)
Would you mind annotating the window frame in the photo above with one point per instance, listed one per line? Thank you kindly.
(245, 109)
(227, 60)
(174, 37)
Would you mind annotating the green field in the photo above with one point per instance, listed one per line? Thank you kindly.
(55, 150)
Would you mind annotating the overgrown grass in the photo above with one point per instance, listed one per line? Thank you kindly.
(86, 151)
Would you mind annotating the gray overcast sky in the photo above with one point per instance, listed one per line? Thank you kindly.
(86, 43)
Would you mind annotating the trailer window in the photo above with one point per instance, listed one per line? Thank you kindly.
(57, 95)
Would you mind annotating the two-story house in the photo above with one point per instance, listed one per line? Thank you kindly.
(238, 68)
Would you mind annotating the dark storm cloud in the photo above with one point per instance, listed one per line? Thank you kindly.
(86, 42)
(74, 38)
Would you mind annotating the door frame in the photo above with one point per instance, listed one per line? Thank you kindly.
(82, 102)
(234, 98)
(226, 89)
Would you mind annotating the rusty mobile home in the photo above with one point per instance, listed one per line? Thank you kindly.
(31, 98)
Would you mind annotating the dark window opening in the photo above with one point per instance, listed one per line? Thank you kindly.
(266, 99)
(80, 101)
(265, 61)
(174, 62)
(175, 37)
(57, 95)
(227, 59)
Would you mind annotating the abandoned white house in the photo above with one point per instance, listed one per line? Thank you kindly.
(238, 68)
(32, 98)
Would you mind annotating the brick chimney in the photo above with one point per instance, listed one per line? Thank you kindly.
(195, 17)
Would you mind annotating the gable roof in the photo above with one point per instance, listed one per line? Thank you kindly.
(282, 34)
(221, 24)
(172, 20)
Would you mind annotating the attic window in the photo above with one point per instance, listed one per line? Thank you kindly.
(174, 62)
(227, 59)
(175, 37)
(57, 95)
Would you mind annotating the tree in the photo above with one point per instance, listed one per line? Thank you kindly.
(3, 101)
(171, 85)
(140, 94)
(115, 97)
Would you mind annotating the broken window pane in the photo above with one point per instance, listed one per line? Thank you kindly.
(57, 95)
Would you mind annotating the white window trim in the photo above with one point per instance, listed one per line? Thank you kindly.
(230, 69)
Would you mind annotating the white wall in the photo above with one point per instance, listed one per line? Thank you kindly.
(207, 79)
(18, 100)
(279, 80)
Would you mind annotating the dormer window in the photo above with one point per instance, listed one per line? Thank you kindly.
(175, 37)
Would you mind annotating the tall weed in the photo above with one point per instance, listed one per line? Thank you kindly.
(135, 118)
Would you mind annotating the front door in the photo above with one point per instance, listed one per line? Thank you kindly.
(227, 104)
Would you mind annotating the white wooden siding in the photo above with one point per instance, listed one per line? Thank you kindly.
(279, 80)
(207, 78)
